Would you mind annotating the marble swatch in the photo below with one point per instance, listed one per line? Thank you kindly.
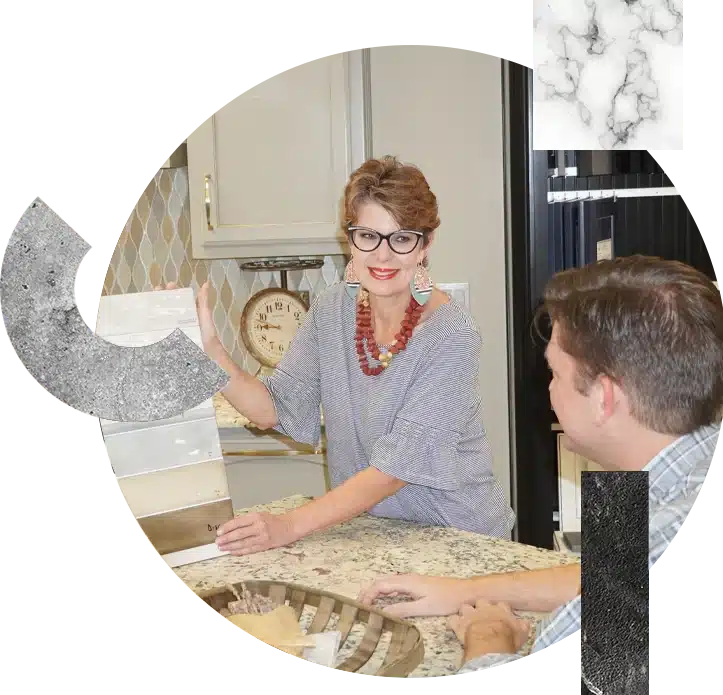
(608, 74)
(136, 384)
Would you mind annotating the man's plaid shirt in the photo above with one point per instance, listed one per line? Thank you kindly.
(685, 517)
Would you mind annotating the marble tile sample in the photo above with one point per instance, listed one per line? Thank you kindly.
(608, 74)
(187, 528)
(175, 488)
(37, 287)
(149, 337)
(144, 320)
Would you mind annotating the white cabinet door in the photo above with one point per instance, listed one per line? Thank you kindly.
(267, 171)
(570, 467)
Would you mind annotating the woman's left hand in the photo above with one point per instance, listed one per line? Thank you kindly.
(255, 532)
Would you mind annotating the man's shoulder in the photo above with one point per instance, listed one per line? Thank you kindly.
(670, 521)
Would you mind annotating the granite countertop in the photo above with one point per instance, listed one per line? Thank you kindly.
(348, 557)
(227, 415)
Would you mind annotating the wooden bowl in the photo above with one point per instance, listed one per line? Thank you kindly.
(406, 648)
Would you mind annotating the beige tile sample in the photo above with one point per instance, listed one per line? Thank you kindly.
(174, 488)
(191, 527)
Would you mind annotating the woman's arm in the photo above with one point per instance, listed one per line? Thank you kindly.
(358, 494)
(244, 392)
(255, 532)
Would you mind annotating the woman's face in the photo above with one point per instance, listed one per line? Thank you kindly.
(382, 271)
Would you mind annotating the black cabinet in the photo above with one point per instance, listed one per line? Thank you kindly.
(545, 237)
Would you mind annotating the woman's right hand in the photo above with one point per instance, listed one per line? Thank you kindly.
(169, 286)
(430, 595)
(209, 337)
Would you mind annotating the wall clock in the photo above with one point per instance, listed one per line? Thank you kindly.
(272, 316)
(269, 322)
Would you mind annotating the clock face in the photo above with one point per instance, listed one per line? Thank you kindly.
(269, 321)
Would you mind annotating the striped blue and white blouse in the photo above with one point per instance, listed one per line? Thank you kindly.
(419, 420)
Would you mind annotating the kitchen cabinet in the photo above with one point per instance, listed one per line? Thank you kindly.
(264, 466)
(569, 477)
(267, 171)
(254, 480)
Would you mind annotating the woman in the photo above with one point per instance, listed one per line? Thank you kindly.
(394, 364)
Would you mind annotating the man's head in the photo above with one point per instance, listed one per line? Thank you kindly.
(636, 347)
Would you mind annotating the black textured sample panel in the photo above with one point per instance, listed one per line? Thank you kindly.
(615, 582)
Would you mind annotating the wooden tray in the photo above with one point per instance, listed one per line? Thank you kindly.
(406, 648)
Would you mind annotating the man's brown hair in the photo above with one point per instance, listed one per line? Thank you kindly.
(400, 189)
(654, 326)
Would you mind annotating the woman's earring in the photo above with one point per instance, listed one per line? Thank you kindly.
(351, 280)
(421, 285)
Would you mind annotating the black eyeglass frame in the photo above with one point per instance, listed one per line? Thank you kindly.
(353, 228)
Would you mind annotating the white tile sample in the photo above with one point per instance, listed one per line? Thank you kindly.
(158, 448)
(120, 314)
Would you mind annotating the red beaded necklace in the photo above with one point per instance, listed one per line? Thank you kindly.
(365, 332)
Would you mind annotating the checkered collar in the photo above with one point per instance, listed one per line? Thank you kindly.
(669, 471)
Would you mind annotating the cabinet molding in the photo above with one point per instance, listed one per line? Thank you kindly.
(569, 477)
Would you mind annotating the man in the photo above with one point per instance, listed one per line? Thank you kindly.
(636, 355)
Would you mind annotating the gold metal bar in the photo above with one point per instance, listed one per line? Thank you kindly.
(207, 200)
(272, 452)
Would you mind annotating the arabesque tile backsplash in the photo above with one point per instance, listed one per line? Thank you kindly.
(155, 248)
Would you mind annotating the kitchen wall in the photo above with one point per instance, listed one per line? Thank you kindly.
(447, 119)
(454, 136)
(155, 248)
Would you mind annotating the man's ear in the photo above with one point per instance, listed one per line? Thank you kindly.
(610, 397)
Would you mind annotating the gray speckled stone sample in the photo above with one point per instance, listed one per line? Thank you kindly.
(125, 384)
(615, 582)
(346, 558)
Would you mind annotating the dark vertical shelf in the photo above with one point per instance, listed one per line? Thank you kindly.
(544, 238)
(530, 256)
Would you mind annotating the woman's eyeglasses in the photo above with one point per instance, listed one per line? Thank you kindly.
(402, 241)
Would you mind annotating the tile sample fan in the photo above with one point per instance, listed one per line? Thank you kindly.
(170, 471)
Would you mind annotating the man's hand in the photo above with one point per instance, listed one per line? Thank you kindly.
(430, 595)
(489, 628)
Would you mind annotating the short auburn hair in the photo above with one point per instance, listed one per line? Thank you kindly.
(654, 326)
(400, 189)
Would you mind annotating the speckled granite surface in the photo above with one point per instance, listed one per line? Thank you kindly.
(350, 556)
(227, 415)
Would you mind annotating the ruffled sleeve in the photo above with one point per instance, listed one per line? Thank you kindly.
(294, 385)
(423, 447)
